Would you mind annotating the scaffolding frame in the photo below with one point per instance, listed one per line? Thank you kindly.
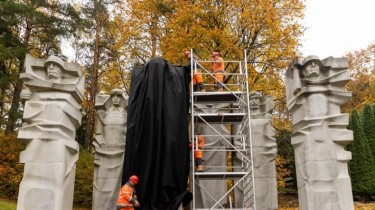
(236, 95)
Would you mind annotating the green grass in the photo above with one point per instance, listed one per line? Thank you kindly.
(7, 205)
(11, 205)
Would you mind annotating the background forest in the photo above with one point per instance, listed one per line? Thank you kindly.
(110, 37)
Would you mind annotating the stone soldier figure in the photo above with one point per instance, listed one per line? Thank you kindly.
(264, 153)
(53, 94)
(109, 146)
(315, 91)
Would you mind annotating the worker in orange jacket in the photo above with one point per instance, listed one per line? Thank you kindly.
(218, 70)
(197, 76)
(127, 199)
(198, 153)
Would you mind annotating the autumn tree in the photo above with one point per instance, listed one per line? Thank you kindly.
(117, 70)
(140, 30)
(143, 24)
(11, 169)
(34, 27)
(285, 166)
(133, 33)
(267, 30)
(362, 83)
(98, 51)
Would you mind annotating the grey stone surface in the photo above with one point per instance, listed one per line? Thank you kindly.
(109, 147)
(53, 93)
(212, 190)
(315, 91)
(264, 153)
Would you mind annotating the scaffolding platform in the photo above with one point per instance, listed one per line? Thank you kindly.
(220, 175)
(217, 97)
(229, 208)
(219, 117)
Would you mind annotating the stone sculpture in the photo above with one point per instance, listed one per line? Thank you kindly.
(315, 91)
(53, 93)
(207, 192)
(109, 146)
(264, 153)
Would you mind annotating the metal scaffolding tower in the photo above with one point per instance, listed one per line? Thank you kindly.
(214, 110)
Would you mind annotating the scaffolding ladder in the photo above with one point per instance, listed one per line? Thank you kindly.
(211, 114)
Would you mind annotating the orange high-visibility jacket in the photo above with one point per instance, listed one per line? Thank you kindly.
(125, 196)
(197, 78)
(218, 65)
(198, 153)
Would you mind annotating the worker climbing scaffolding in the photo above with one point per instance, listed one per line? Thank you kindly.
(198, 84)
(198, 145)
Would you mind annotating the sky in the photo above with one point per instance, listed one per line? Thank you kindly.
(333, 27)
(336, 27)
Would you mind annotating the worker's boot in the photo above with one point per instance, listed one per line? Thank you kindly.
(200, 168)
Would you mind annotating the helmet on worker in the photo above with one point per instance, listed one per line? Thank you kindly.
(134, 179)
(187, 53)
(215, 54)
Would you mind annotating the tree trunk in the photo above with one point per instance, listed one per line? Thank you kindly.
(1, 103)
(91, 114)
(153, 33)
(13, 112)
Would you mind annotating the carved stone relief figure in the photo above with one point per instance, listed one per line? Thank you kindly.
(53, 93)
(109, 146)
(315, 91)
(264, 153)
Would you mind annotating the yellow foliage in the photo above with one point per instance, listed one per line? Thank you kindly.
(364, 206)
(282, 172)
(362, 83)
(268, 30)
(11, 170)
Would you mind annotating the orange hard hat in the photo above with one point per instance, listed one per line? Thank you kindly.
(215, 53)
(134, 179)
(187, 52)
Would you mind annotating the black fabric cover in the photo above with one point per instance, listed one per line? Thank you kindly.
(157, 135)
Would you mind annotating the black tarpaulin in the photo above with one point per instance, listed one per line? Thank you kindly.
(157, 135)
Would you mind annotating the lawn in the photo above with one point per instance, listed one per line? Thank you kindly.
(358, 206)
(10, 205)
(7, 205)
(290, 202)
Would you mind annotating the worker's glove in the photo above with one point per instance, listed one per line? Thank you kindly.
(136, 203)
